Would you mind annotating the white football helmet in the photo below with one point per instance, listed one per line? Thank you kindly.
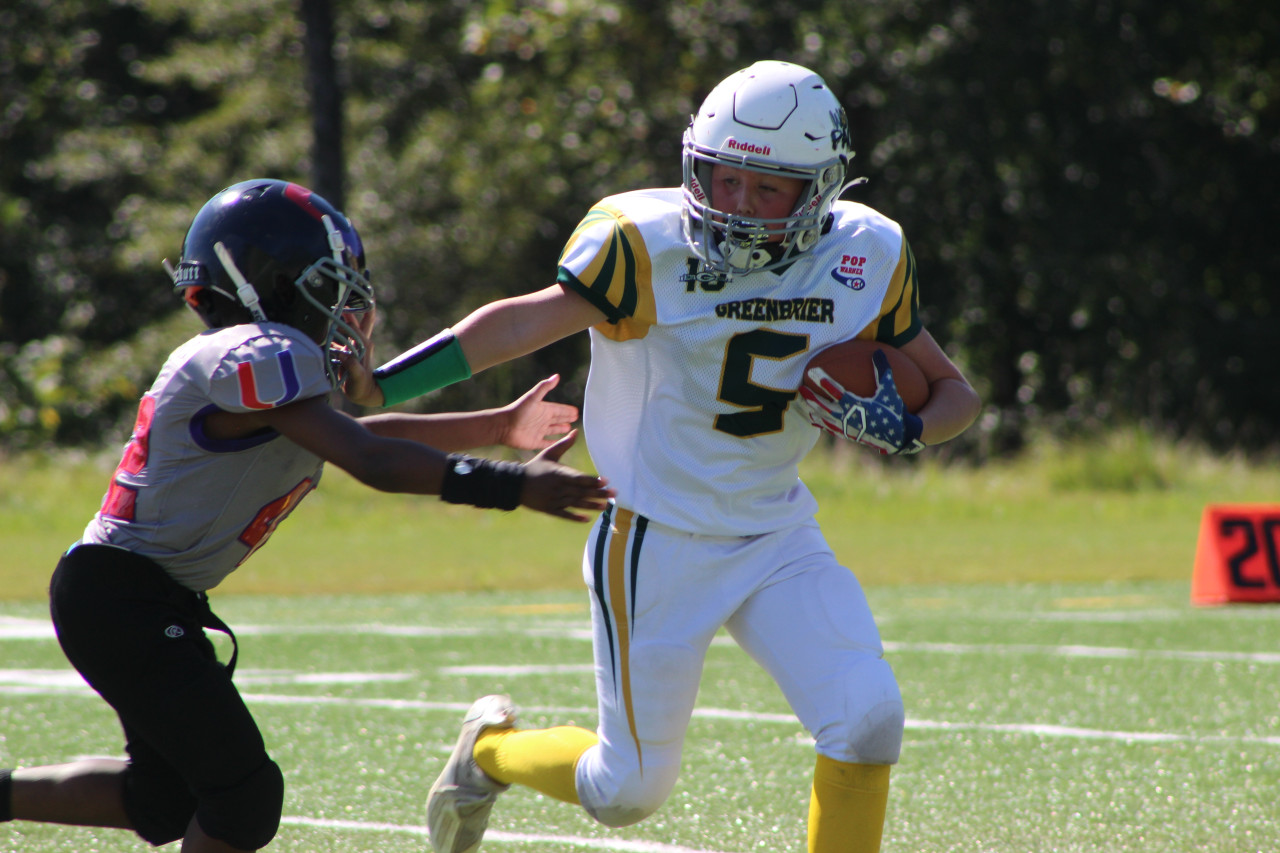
(779, 119)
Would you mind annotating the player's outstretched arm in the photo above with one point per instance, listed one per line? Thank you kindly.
(492, 334)
(509, 328)
(528, 423)
(401, 465)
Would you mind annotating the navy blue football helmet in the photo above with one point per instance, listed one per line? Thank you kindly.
(272, 250)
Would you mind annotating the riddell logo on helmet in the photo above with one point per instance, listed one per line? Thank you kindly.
(696, 189)
(748, 147)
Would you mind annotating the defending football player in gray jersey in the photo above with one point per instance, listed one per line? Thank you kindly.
(229, 439)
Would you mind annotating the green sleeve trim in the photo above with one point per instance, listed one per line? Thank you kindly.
(571, 281)
(430, 365)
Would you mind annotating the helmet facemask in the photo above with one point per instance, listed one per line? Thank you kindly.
(735, 244)
(336, 288)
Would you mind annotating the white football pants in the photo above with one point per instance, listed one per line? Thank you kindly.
(659, 595)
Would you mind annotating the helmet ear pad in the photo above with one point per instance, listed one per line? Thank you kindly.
(289, 305)
(285, 300)
(216, 309)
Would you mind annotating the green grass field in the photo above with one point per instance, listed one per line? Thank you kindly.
(1051, 717)
(1062, 693)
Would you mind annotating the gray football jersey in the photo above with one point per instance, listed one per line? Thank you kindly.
(198, 506)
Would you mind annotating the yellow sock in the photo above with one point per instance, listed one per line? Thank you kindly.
(541, 759)
(846, 810)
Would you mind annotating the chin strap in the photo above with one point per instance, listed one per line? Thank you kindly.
(336, 244)
(244, 290)
(747, 254)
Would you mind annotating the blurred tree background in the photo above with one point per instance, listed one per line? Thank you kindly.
(1090, 187)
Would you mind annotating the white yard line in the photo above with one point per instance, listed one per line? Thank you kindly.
(1081, 651)
(12, 628)
(494, 835)
(55, 682)
(67, 682)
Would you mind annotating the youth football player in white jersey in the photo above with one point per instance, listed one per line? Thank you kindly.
(231, 436)
(704, 304)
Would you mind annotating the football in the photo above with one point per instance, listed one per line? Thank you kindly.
(849, 363)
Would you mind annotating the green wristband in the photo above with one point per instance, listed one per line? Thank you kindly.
(430, 365)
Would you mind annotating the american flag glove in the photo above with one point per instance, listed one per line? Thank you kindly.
(881, 422)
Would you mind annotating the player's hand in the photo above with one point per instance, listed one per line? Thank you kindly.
(881, 423)
(558, 489)
(357, 373)
(531, 419)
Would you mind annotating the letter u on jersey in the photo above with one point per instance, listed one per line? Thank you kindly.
(265, 387)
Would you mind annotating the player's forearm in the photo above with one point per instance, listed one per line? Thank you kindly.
(407, 467)
(489, 336)
(510, 328)
(952, 408)
(492, 334)
(391, 464)
(447, 431)
(499, 332)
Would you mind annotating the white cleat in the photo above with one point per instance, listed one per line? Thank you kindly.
(459, 803)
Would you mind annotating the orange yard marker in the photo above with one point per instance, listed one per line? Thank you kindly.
(1237, 555)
